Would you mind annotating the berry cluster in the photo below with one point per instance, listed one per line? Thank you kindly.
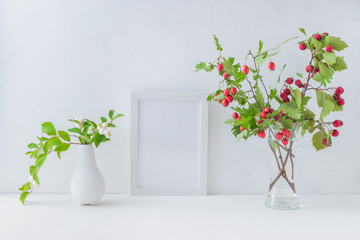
(284, 136)
(334, 133)
(228, 93)
(337, 96)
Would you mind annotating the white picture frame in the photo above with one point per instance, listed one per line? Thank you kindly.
(169, 140)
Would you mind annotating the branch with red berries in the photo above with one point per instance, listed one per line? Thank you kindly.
(285, 111)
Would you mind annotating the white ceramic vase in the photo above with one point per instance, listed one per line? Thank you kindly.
(87, 183)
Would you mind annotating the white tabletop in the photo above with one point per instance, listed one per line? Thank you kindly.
(56, 216)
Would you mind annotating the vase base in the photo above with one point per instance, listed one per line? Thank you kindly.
(282, 203)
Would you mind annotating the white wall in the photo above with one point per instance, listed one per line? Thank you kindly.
(61, 59)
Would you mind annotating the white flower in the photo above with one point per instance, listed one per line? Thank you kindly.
(81, 120)
(107, 133)
(104, 125)
(33, 183)
(98, 127)
(101, 131)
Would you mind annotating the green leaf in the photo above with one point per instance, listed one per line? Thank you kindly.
(273, 145)
(40, 160)
(74, 121)
(325, 103)
(75, 130)
(55, 141)
(117, 116)
(25, 187)
(299, 75)
(259, 96)
(303, 31)
(317, 140)
(281, 72)
(242, 135)
(23, 197)
(64, 135)
(32, 145)
(87, 139)
(98, 138)
(287, 123)
(103, 119)
(48, 128)
(329, 57)
(272, 93)
(297, 95)
(216, 41)
(229, 121)
(111, 114)
(61, 147)
(291, 110)
(339, 65)
(324, 70)
(42, 139)
(261, 43)
(337, 43)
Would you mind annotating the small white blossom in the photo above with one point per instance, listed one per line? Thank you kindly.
(104, 125)
(107, 133)
(33, 183)
(101, 131)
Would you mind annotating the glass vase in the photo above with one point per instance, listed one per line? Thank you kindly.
(282, 193)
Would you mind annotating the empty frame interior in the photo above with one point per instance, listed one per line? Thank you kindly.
(170, 156)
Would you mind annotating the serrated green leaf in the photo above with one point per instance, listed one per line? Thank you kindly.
(337, 43)
(291, 110)
(261, 43)
(273, 144)
(217, 44)
(64, 135)
(317, 140)
(299, 75)
(48, 128)
(329, 57)
(297, 95)
(259, 96)
(303, 31)
(242, 135)
(324, 70)
(272, 93)
(339, 65)
(229, 121)
(287, 123)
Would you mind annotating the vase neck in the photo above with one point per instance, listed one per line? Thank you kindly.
(86, 155)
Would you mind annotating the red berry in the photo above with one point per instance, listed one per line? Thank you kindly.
(301, 85)
(263, 114)
(337, 123)
(298, 82)
(214, 96)
(287, 91)
(283, 95)
(336, 96)
(279, 136)
(261, 134)
(225, 75)
(309, 68)
(286, 133)
(220, 67)
(271, 66)
(324, 141)
(289, 80)
(277, 118)
(260, 121)
(285, 141)
(233, 91)
(286, 100)
(339, 90)
(340, 101)
(326, 34)
(242, 128)
(317, 37)
(335, 133)
(235, 115)
(329, 48)
(226, 92)
(225, 103)
(267, 110)
(229, 98)
(238, 118)
(245, 69)
(302, 46)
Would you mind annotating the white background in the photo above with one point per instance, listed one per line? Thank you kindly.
(62, 59)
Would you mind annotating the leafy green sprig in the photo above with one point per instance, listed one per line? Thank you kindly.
(249, 101)
(86, 132)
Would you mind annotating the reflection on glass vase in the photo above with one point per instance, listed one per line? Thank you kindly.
(282, 192)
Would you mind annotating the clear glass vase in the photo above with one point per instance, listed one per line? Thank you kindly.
(282, 192)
